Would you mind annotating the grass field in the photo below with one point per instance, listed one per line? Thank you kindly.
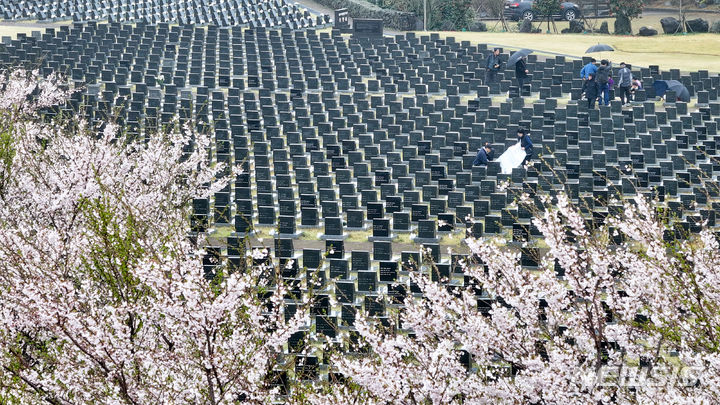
(684, 52)
(12, 28)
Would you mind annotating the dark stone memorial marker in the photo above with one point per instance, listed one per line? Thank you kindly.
(335, 249)
(474, 230)
(309, 217)
(441, 272)
(529, 257)
(382, 250)
(289, 269)
(367, 28)
(338, 268)
(393, 204)
(326, 325)
(375, 210)
(356, 219)
(311, 258)
(287, 207)
(348, 314)
(345, 291)
(342, 20)
(520, 233)
(426, 231)
(333, 228)
(388, 271)
(284, 247)
(381, 230)
(396, 293)
(419, 212)
(410, 261)
(446, 222)
(497, 201)
(266, 215)
(401, 222)
(360, 260)
(367, 281)
(286, 226)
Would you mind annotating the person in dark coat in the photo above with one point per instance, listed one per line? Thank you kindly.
(521, 73)
(526, 144)
(492, 66)
(484, 155)
(592, 90)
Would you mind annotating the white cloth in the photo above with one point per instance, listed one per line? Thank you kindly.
(511, 158)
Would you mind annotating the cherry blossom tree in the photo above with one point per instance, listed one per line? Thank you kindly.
(103, 296)
(633, 319)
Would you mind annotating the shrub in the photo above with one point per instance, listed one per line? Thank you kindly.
(546, 7)
(478, 26)
(399, 20)
(625, 11)
(442, 14)
(715, 27)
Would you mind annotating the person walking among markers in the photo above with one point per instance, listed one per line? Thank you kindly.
(484, 155)
(526, 144)
(625, 79)
(521, 74)
(589, 69)
(604, 72)
(591, 88)
(492, 66)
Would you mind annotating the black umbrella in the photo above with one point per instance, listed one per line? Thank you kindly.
(681, 92)
(600, 48)
(517, 55)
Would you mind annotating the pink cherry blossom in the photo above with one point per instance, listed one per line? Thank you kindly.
(104, 298)
(632, 323)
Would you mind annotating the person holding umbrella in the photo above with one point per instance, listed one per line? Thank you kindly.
(521, 71)
(492, 66)
(590, 67)
(681, 92)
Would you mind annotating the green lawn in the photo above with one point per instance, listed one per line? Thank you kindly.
(685, 52)
(12, 28)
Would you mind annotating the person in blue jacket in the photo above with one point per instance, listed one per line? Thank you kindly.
(484, 155)
(526, 144)
(589, 69)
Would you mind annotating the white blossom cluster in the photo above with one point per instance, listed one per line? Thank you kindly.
(103, 297)
(631, 323)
